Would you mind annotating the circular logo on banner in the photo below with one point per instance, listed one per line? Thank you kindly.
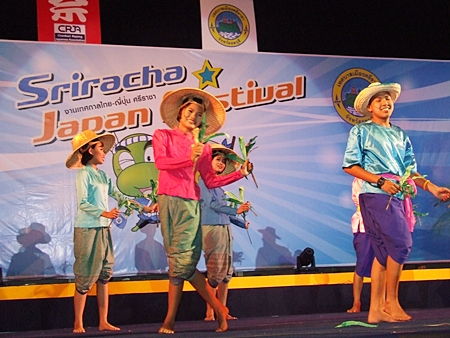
(228, 25)
(345, 89)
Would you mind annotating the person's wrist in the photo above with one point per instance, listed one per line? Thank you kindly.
(381, 182)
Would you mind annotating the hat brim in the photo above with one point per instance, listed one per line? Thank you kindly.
(172, 101)
(231, 165)
(362, 100)
(74, 159)
(269, 233)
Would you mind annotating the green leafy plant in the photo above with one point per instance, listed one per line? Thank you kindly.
(246, 149)
(235, 202)
(406, 189)
(419, 214)
(200, 135)
(153, 196)
(129, 205)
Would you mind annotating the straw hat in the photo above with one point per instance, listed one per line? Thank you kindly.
(364, 96)
(231, 165)
(214, 109)
(86, 136)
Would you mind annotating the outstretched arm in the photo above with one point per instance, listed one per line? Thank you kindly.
(442, 193)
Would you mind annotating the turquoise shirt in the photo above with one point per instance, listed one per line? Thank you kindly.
(93, 188)
(379, 150)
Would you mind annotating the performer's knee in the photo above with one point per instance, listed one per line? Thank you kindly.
(82, 292)
(213, 283)
(176, 281)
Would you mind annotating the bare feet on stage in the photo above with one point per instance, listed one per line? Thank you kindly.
(164, 330)
(222, 319)
(79, 329)
(108, 327)
(167, 328)
(101, 327)
(390, 314)
(355, 308)
(376, 317)
(395, 310)
(212, 318)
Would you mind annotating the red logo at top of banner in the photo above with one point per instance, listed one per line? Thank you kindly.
(69, 21)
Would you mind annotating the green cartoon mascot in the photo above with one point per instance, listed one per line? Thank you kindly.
(136, 173)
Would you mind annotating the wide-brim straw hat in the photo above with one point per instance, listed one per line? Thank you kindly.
(364, 96)
(214, 109)
(86, 136)
(231, 165)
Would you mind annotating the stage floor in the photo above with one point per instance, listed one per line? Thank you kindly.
(425, 323)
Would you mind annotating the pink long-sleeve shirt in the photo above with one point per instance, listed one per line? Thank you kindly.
(172, 152)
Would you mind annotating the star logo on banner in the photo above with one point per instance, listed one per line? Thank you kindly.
(208, 75)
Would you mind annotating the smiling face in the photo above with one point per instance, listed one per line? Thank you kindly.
(219, 163)
(381, 106)
(190, 117)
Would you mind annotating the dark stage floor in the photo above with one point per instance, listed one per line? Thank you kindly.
(425, 323)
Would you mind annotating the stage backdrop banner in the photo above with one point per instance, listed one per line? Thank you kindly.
(229, 25)
(299, 108)
(69, 21)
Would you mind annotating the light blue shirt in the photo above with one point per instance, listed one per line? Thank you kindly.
(93, 188)
(379, 150)
(215, 210)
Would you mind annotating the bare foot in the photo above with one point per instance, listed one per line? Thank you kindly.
(164, 330)
(396, 311)
(376, 317)
(108, 327)
(211, 318)
(355, 308)
(222, 318)
(79, 329)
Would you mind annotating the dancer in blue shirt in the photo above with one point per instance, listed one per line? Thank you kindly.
(380, 153)
(216, 231)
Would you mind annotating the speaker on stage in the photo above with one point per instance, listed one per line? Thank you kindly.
(306, 261)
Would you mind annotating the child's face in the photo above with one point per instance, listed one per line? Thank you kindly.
(219, 163)
(191, 117)
(98, 154)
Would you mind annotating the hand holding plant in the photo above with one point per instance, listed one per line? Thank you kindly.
(237, 202)
(200, 137)
(129, 205)
(406, 188)
(246, 149)
(153, 196)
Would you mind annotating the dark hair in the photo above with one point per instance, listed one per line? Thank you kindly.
(86, 156)
(186, 101)
(378, 95)
(196, 99)
(219, 152)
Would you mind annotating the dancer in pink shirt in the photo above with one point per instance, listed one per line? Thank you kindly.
(178, 158)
